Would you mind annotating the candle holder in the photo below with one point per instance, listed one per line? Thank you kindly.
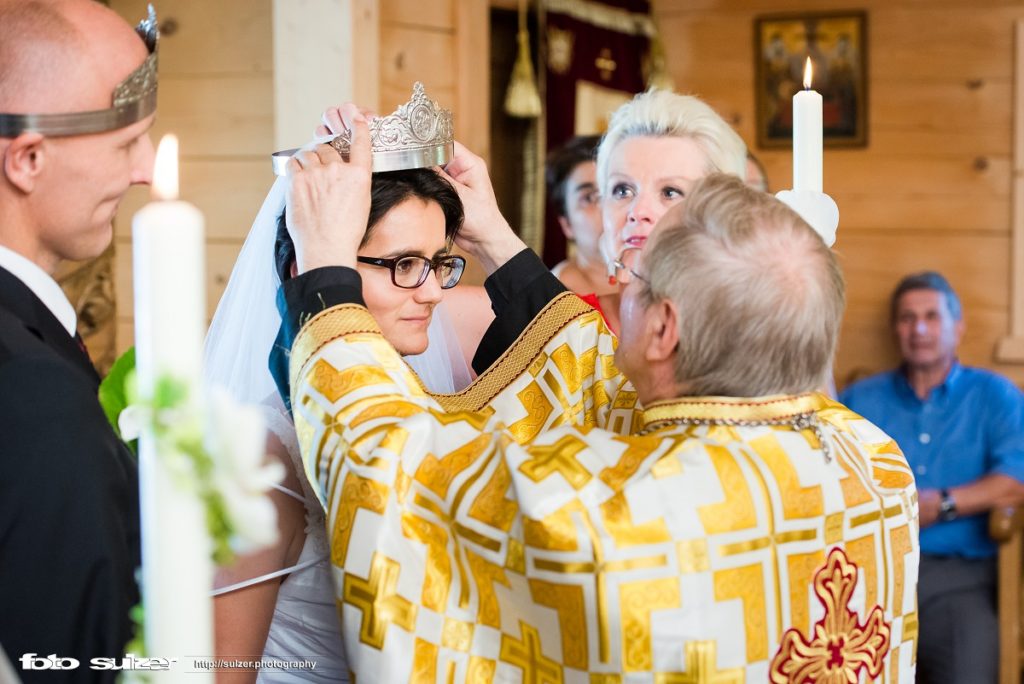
(817, 208)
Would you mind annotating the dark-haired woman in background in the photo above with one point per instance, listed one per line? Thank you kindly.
(571, 177)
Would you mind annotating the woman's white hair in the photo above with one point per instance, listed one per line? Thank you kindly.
(661, 113)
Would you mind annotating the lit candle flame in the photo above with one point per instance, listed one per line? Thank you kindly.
(808, 72)
(165, 172)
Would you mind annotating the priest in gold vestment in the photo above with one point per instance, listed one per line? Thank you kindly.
(541, 527)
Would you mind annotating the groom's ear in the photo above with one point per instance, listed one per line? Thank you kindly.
(293, 269)
(23, 161)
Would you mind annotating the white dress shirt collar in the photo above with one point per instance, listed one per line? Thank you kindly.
(42, 286)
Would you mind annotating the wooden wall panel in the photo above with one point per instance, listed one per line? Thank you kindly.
(955, 41)
(473, 49)
(924, 213)
(229, 116)
(216, 94)
(410, 54)
(438, 14)
(228, 192)
(874, 263)
(931, 189)
(444, 44)
(664, 8)
(208, 37)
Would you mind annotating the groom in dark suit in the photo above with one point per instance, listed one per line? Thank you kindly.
(77, 98)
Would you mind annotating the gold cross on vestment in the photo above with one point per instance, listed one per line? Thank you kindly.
(570, 412)
(528, 655)
(380, 603)
(559, 457)
(458, 530)
(429, 505)
(701, 668)
(599, 567)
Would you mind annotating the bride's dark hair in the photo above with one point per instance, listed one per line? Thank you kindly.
(387, 191)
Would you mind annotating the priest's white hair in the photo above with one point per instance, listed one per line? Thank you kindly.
(759, 295)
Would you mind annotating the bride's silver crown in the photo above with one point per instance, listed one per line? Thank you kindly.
(419, 134)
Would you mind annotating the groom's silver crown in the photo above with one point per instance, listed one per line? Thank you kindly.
(419, 134)
(134, 99)
(141, 83)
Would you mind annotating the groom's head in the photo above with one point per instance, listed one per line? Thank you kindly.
(59, 190)
(734, 295)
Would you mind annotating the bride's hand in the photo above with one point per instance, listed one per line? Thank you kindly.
(329, 199)
(485, 233)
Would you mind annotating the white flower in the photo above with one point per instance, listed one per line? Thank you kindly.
(236, 440)
(129, 422)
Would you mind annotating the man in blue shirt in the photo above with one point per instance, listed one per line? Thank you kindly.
(962, 430)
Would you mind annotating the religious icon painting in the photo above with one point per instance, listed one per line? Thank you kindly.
(837, 47)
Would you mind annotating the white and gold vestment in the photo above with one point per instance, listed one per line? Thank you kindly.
(560, 371)
(469, 548)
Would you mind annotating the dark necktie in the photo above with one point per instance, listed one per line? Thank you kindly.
(81, 345)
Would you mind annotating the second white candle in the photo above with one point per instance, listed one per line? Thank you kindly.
(808, 136)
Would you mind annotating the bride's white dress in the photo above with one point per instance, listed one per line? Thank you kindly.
(304, 643)
(305, 624)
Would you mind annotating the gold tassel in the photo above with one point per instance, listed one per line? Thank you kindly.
(522, 98)
(657, 65)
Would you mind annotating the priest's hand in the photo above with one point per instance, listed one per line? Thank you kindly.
(334, 124)
(485, 233)
(328, 201)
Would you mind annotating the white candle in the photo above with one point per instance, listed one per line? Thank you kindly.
(807, 136)
(170, 315)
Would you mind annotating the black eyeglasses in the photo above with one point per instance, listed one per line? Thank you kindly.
(410, 272)
(625, 266)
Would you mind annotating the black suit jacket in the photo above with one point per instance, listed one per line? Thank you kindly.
(69, 521)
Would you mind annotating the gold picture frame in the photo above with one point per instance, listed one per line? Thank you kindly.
(836, 42)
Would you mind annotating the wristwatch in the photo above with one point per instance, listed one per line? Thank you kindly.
(947, 506)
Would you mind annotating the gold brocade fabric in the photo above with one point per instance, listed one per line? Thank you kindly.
(561, 371)
(464, 553)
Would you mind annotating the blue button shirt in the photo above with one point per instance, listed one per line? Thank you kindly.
(969, 426)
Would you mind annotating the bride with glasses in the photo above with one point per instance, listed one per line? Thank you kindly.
(279, 602)
(414, 216)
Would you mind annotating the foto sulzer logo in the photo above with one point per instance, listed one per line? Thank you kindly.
(34, 661)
